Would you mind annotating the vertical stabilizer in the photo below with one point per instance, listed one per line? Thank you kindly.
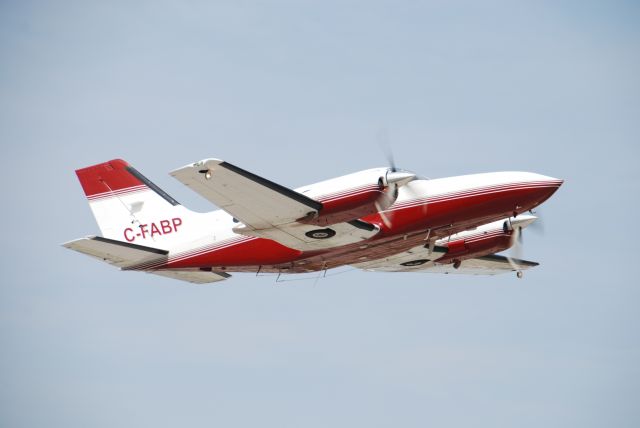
(129, 207)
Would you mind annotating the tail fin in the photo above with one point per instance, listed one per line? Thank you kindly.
(126, 205)
(114, 177)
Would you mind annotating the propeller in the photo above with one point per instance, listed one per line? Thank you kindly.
(393, 179)
(538, 225)
(517, 224)
(383, 142)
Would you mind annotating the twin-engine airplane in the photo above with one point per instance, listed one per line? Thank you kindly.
(381, 219)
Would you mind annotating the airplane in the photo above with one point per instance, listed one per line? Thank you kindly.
(381, 219)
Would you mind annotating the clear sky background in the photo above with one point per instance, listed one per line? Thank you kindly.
(297, 91)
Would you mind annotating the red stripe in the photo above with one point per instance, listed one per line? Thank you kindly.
(464, 194)
(118, 193)
(336, 195)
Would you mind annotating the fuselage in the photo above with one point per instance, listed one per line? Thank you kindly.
(432, 209)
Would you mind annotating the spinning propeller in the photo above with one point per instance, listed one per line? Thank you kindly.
(516, 225)
(393, 179)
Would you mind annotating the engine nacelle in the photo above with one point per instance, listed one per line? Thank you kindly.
(487, 239)
(475, 246)
(354, 196)
(346, 208)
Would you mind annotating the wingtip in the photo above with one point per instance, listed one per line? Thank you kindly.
(69, 244)
(202, 164)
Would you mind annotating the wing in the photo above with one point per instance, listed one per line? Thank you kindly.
(257, 202)
(411, 260)
(419, 259)
(267, 209)
(487, 265)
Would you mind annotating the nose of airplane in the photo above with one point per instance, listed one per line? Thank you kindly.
(553, 184)
(540, 188)
(543, 179)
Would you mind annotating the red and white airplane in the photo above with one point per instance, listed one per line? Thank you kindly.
(381, 219)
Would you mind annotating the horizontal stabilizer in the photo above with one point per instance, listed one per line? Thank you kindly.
(117, 253)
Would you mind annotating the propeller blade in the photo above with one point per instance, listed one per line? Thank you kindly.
(516, 248)
(383, 204)
(414, 195)
(385, 146)
(516, 242)
(394, 179)
(386, 217)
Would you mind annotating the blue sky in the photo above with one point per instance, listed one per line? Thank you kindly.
(297, 92)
